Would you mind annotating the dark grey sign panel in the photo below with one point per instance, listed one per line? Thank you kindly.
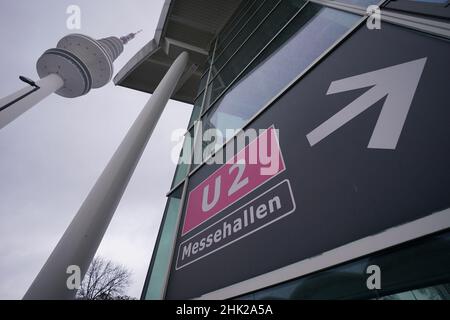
(365, 138)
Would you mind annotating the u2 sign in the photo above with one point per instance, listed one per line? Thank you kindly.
(244, 172)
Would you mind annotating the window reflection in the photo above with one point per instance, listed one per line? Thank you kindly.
(269, 20)
(196, 111)
(235, 23)
(319, 28)
(360, 3)
(439, 292)
(431, 1)
(423, 265)
(163, 249)
(258, 13)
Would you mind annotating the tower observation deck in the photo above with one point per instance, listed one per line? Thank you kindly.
(78, 64)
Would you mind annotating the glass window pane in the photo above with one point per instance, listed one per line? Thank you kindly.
(432, 1)
(260, 11)
(360, 3)
(429, 8)
(431, 293)
(439, 292)
(203, 80)
(344, 282)
(163, 251)
(315, 29)
(196, 110)
(197, 158)
(422, 263)
(235, 25)
(184, 160)
(284, 11)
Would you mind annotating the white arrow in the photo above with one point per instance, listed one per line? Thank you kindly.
(398, 83)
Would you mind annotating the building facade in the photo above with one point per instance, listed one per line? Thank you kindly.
(347, 193)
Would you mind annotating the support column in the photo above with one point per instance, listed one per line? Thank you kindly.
(47, 86)
(79, 243)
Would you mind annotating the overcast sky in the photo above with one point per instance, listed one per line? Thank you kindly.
(52, 155)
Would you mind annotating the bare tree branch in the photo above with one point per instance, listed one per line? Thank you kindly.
(105, 280)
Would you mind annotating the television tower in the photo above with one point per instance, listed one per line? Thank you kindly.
(78, 64)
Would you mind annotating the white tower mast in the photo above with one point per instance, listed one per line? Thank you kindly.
(77, 65)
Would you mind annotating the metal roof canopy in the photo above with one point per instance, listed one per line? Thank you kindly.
(184, 25)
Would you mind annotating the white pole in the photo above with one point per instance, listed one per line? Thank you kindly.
(79, 243)
(47, 86)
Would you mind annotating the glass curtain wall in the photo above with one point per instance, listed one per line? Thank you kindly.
(265, 45)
